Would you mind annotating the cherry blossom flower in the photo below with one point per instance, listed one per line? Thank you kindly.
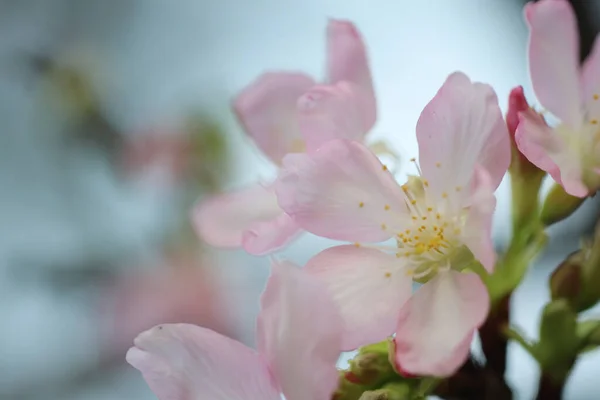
(182, 290)
(298, 333)
(569, 152)
(440, 222)
(288, 112)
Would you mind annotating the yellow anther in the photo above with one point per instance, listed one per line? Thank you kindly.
(435, 228)
(416, 237)
(405, 188)
(383, 226)
(438, 216)
(425, 183)
(413, 159)
(423, 227)
(361, 204)
(438, 164)
(407, 231)
(386, 207)
(424, 218)
(414, 218)
(596, 97)
(407, 254)
(384, 167)
(594, 122)
(404, 240)
(430, 209)
(357, 244)
(445, 195)
(388, 274)
(458, 188)
(413, 202)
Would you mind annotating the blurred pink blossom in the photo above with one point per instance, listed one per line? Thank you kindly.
(287, 112)
(570, 152)
(298, 332)
(182, 291)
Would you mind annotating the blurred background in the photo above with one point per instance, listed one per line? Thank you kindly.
(115, 119)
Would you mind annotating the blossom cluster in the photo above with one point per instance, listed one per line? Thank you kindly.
(432, 231)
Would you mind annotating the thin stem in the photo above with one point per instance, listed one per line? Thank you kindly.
(513, 334)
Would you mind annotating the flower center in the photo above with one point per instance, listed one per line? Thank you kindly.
(584, 143)
(432, 237)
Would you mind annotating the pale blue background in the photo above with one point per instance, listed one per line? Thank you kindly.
(60, 209)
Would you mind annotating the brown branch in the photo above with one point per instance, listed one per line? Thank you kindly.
(493, 340)
(549, 388)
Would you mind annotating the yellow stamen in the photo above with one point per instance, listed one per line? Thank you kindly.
(361, 204)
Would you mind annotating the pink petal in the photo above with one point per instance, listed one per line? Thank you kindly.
(477, 234)
(266, 237)
(347, 61)
(590, 81)
(545, 149)
(436, 325)
(517, 103)
(341, 192)
(267, 111)
(185, 362)
(299, 331)
(331, 112)
(460, 127)
(249, 217)
(554, 58)
(369, 287)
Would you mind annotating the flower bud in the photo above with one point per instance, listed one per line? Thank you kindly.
(588, 258)
(565, 281)
(517, 103)
(558, 345)
(371, 365)
(391, 391)
(558, 205)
